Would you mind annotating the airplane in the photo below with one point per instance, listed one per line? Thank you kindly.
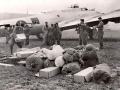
(36, 22)
(67, 19)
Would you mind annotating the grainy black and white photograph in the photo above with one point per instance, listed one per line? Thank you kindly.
(59, 45)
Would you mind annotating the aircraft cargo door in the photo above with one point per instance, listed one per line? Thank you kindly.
(35, 21)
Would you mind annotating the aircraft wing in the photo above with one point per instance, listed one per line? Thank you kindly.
(93, 20)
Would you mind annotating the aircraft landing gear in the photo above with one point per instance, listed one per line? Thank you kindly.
(39, 36)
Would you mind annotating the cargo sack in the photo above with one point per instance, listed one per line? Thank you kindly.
(90, 58)
(72, 68)
(102, 72)
(49, 63)
(59, 62)
(34, 63)
(70, 55)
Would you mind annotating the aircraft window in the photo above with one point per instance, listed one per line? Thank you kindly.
(35, 21)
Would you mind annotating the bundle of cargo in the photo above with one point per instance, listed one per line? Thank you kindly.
(24, 53)
(72, 61)
(59, 62)
(20, 37)
(48, 72)
(54, 53)
(49, 63)
(89, 56)
(70, 55)
(84, 76)
(71, 68)
(34, 62)
(102, 73)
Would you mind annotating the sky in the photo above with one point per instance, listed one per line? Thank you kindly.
(37, 6)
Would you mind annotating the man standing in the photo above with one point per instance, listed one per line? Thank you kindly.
(45, 31)
(58, 34)
(51, 36)
(7, 34)
(100, 32)
(83, 32)
(27, 33)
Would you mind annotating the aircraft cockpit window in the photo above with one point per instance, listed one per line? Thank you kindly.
(35, 21)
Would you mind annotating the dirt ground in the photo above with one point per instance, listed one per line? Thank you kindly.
(18, 78)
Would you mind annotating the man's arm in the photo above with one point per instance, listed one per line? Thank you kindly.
(100, 25)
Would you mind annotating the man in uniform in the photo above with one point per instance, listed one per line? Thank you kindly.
(27, 33)
(7, 34)
(58, 34)
(45, 31)
(100, 32)
(17, 30)
(83, 32)
(51, 36)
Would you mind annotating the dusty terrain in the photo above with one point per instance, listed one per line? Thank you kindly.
(18, 78)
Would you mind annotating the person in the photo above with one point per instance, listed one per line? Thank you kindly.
(45, 35)
(51, 36)
(82, 30)
(100, 32)
(16, 30)
(7, 34)
(27, 33)
(58, 34)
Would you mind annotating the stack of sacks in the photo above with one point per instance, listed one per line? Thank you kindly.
(72, 61)
(89, 56)
(80, 49)
(53, 56)
(35, 62)
(70, 55)
(102, 72)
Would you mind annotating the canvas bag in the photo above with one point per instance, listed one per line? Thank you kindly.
(102, 72)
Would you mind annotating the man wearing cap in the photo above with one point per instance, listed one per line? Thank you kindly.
(45, 33)
(83, 32)
(100, 32)
(27, 33)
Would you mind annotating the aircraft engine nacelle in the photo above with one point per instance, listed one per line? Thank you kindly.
(36, 29)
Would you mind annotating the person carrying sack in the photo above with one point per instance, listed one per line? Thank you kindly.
(17, 30)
